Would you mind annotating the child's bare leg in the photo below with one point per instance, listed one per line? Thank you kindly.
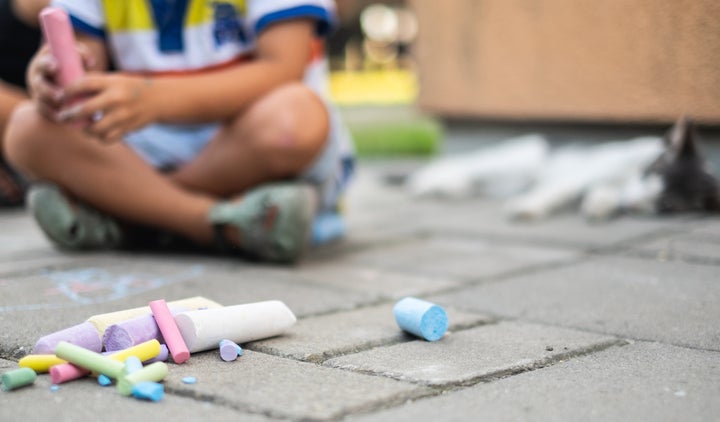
(111, 178)
(276, 138)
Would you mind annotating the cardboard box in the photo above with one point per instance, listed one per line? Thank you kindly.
(580, 60)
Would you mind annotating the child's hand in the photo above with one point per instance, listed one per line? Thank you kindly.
(116, 104)
(42, 81)
(46, 94)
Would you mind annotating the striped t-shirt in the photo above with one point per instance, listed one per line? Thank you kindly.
(164, 36)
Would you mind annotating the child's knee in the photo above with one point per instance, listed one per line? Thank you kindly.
(25, 135)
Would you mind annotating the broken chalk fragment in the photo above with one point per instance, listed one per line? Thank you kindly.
(173, 339)
(189, 380)
(421, 318)
(132, 364)
(229, 351)
(203, 330)
(104, 380)
(84, 335)
(18, 378)
(148, 390)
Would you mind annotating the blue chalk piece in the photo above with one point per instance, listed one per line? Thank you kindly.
(189, 380)
(104, 380)
(239, 350)
(327, 227)
(54, 388)
(132, 364)
(148, 390)
(421, 318)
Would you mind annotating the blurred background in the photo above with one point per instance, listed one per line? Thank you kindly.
(406, 71)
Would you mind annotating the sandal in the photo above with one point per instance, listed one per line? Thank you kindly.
(274, 221)
(12, 186)
(69, 224)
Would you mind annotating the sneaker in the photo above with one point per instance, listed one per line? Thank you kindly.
(274, 221)
(69, 224)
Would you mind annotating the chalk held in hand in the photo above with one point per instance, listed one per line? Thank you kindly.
(421, 318)
(173, 339)
(18, 378)
(203, 330)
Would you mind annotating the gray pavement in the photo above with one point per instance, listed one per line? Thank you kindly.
(557, 320)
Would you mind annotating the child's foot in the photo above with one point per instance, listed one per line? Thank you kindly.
(273, 221)
(72, 225)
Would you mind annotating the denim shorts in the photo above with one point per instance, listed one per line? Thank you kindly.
(170, 146)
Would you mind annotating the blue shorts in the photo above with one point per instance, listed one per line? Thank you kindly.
(170, 146)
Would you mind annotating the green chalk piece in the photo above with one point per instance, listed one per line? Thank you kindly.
(154, 372)
(88, 359)
(18, 378)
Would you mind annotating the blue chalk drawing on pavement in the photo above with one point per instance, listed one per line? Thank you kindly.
(88, 286)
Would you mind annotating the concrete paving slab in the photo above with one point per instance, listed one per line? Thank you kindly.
(85, 400)
(643, 381)
(382, 284)
(320, 338)
(460, 258)
(699, 245)
(19, 232)
(642, 299)
(469, 356)
(278, 387)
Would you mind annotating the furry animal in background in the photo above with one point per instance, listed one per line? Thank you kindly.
(647, 174)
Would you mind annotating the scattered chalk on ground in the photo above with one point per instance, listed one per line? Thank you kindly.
(54, 388)
(421, 318)
(104, 380)
(18, 378)
(189, 380)
(148, 390)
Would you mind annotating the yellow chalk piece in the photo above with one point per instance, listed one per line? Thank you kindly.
(102, 321)
(143, 351)
(40, 363)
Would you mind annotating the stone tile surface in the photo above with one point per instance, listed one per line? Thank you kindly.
(643, 381)
(470, 355)
(643, 299)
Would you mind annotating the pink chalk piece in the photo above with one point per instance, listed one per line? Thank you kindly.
(60, 37)
(170, 331)
(66, 372)
(83, 335)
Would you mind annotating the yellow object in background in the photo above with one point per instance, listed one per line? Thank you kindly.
(382, 87)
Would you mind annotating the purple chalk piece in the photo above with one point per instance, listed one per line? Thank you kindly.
(229, 350)
(83, 335)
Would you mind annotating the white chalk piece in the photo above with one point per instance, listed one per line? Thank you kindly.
(203, 330)
(421, 318)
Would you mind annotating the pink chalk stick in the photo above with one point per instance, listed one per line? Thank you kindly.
(170, 331)
(60, 37)
(83, 335)
(66, 372)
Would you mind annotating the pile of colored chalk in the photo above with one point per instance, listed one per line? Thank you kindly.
(133, 354)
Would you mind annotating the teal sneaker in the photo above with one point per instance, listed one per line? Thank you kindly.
(69, 224)
(274, 221)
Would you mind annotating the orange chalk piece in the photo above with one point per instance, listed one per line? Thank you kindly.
(170, 331)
